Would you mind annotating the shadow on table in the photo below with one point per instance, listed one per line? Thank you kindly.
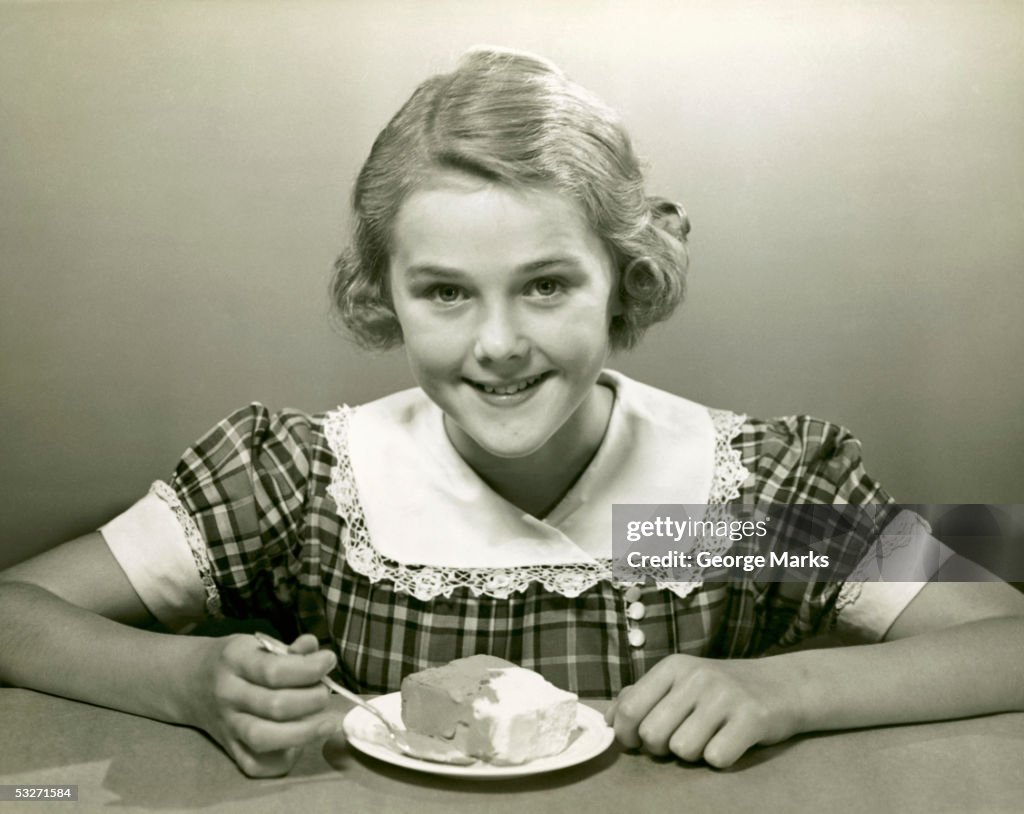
(203, 776)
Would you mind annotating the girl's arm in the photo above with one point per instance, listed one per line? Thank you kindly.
(956, 650)
(67, 630)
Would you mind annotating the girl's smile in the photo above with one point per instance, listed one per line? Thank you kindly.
(505, 297)
(507, 394)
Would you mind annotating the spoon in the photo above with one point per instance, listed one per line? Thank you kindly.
(413, 744)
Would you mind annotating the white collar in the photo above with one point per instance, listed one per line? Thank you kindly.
(423, 505)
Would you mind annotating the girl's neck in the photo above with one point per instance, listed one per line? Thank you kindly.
(536, 483)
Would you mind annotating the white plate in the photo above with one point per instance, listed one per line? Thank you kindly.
(367, 734)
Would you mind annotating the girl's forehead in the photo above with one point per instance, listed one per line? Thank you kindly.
(463, 189)
(465, 215)
(492, 229)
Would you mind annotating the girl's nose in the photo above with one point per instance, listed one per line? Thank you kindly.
(499, 338)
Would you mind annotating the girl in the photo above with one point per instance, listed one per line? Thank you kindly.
(503, 236)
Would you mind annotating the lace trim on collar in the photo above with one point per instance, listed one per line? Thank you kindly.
(729, 473)
(429, 582)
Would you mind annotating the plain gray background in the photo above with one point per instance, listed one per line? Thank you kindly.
(174, 179)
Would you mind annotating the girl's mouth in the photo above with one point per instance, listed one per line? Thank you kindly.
(508, 389)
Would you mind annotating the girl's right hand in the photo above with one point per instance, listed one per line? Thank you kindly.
(260, 707)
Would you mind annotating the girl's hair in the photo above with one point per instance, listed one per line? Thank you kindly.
(515, 119)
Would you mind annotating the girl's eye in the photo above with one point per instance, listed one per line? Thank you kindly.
(447, 294)
(545, 287)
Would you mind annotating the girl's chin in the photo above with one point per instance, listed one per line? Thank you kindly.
(475, 441)
(506, 449)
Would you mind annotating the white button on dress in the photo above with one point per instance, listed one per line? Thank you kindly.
(636, 611)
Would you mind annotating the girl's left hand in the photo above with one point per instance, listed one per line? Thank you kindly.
(696, 707)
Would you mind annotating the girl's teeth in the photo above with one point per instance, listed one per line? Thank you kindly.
(508, 391)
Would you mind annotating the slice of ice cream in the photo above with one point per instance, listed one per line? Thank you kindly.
(490, 709)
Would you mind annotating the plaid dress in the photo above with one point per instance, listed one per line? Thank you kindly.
(256, 488)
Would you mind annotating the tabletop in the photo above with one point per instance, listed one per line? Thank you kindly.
(135, 764)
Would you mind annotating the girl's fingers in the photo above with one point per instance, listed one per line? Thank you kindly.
(609, 714)
(691, 738)
(634, 704)
(261, 736)
(281, 705)
(278, 672)
(664, 720)
(267, 764)
(304, 645)
(730, 743)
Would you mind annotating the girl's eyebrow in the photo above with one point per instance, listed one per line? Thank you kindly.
(432, 270)
(548, 262)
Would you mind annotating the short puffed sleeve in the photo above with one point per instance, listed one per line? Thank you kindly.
(802, 459)
(224, 535)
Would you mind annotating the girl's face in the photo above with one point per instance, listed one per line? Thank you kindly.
(505, 298)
